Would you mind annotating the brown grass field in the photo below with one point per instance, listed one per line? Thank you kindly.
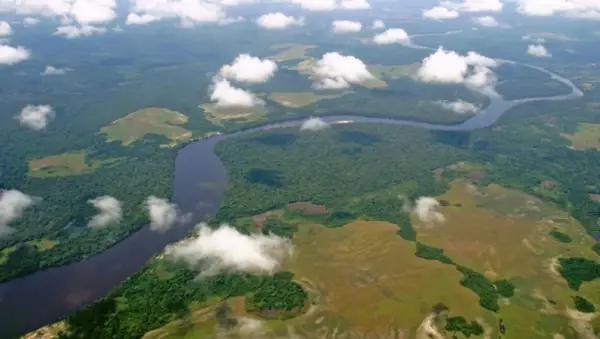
(291, 51)
(217, 115)
(587, 136)
(308, 207)
(73, 163)
(136, 125)
(301, 99)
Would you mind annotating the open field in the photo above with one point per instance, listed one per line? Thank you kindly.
(43, 244)
(382, 72)
(307, 207)
(66, 164)
(300, 99)
(217, 114)
(135, 126)
(291, 51)
(586, 137)
(505, 235)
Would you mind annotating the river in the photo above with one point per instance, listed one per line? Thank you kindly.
(199, 186)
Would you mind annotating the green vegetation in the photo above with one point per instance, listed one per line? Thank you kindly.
(277, 294)
(66, 164)
(217, 115)
(459, 324)
(587, 136)
(279, 227)
(576, 271)
(583, 305)
(505, 288)
(560, 236)
(432, 253)
(476, 282)
(136, 125)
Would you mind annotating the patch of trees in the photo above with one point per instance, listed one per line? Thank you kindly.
(278, 294)
(459, 324)
(560, 236)
(432, 253)
(505, 288)
(583, 305)
(485, 290)
(279, 228)
(576, 271)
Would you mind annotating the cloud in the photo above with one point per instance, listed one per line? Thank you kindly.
(85, 12)
(582, 9)
(345, 26)
(30, 21)
(427, 210)
(214, 251)
(11, 55)
(136, 19)
(335, 71)
(72, 32)
(225, 95)
(246, 68)
(12, 205)
(188, 11)
(316, 5)
(109, 211)
(440, 13)
(36, 117)
(378, 24)
(538, 51)
(486, 21)
(534, 39)
(475, 5)
(459, 106)
(5, 28)
(278, 21)
(163, 214)
(450, 67)
(88, 12)
(314, 124)
(392, 36)
(51, 70)
(355, 4)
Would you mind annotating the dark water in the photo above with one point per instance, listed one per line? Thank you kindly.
(199, 186)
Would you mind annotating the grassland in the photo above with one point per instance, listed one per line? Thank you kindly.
(393, 72)
(505, 234)
(66, 164)
(587, 136)
(5, 253)
(136, 125)
(291, 51)
(301, 99)
(218, 115)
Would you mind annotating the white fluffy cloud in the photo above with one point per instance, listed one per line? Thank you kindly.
(314, 124)
(36, 117)
(278, 21)
(538, 51)
(584, 9)
(440, 13)
(392, 36)
(355, 4)
(378, 24)
(88, 12)
(427, 210)
(486, 21)
(72, 32)
(109, 211)
(328, 5)
(345, 26)
(85, 12)
(188, 11)
(459, 106)
(214, 251)
(30, 21)
(12, 205)
(225, 95)
(5, 28)
(11, 55)
(450, 67)
(335, 71)
(163, 214)
(51, 70)
(475, 5)
(137, 19)
(246, 68)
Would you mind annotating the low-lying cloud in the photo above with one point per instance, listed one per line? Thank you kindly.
(427, 210)
(5, 28)
(163, 214)
(392, 36)
(475, 6)
(225, 95)
(246, 68)
(73, 32)
(12, 205)
(440, 13)
(459, 106)
(345, 26)
(538, 51)
(314, 124)
(336, 71)
(51, 70)
(581, 9)
(278, 21)
(378, 24)
(486, 21)
(137, 19)
(109, 209)
(36, 117)
(225, 249)
(11, 55)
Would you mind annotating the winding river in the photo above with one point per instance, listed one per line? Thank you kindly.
(199, 186)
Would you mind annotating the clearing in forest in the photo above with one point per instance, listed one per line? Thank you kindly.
(65, 164)
(587, 136)
(300, 99)
(307, 207)
(291, 51)
(505, 234)
(217, 115)
(382, 72)
(159, 121)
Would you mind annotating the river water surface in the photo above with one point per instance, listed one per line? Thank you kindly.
(199, 185)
